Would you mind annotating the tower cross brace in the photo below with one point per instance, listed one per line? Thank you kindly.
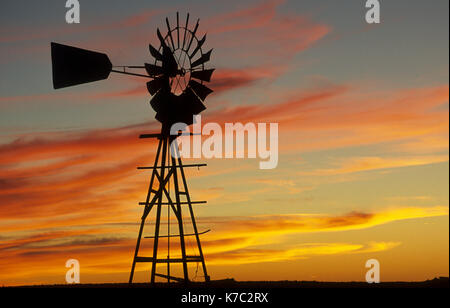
(168, 159)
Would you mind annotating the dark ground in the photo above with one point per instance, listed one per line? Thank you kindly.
(442, 282)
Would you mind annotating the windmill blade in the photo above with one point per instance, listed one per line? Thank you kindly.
(153, 70)
(161, 39)
(192, 104)
(192, 35)
(154, 85)
(186, 119)
(204, 75)
(202, 91)
(199, 45)
(159, 103)
(161, 118)
(204, 58)
(185, 30)
(72, 66)
(155, 53)
(178, 30)
(170, 33)
(169, 64)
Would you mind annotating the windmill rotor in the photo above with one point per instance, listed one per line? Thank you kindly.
(179, 74)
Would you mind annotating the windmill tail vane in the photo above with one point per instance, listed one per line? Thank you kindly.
(177, 74)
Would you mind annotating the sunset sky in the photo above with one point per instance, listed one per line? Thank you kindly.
(363, 113)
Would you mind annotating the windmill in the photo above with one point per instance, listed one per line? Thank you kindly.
(177, 87)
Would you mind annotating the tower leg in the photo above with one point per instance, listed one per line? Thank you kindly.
(180, 220)
(194, 224)
(188, 199)
(141, 228)
(162, 184)
(146, 211)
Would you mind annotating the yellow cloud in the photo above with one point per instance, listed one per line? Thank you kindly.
(270, 225)
(360, 164)
(303, 251)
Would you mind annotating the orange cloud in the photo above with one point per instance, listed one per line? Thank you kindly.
(235, 240)
(255, 16)
(35, 167)
(260, 30)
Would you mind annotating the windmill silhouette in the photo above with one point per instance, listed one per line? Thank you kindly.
(177, 87)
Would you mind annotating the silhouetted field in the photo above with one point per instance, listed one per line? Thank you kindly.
(442, 282)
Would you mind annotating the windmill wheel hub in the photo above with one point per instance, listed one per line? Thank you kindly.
(181, 80)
